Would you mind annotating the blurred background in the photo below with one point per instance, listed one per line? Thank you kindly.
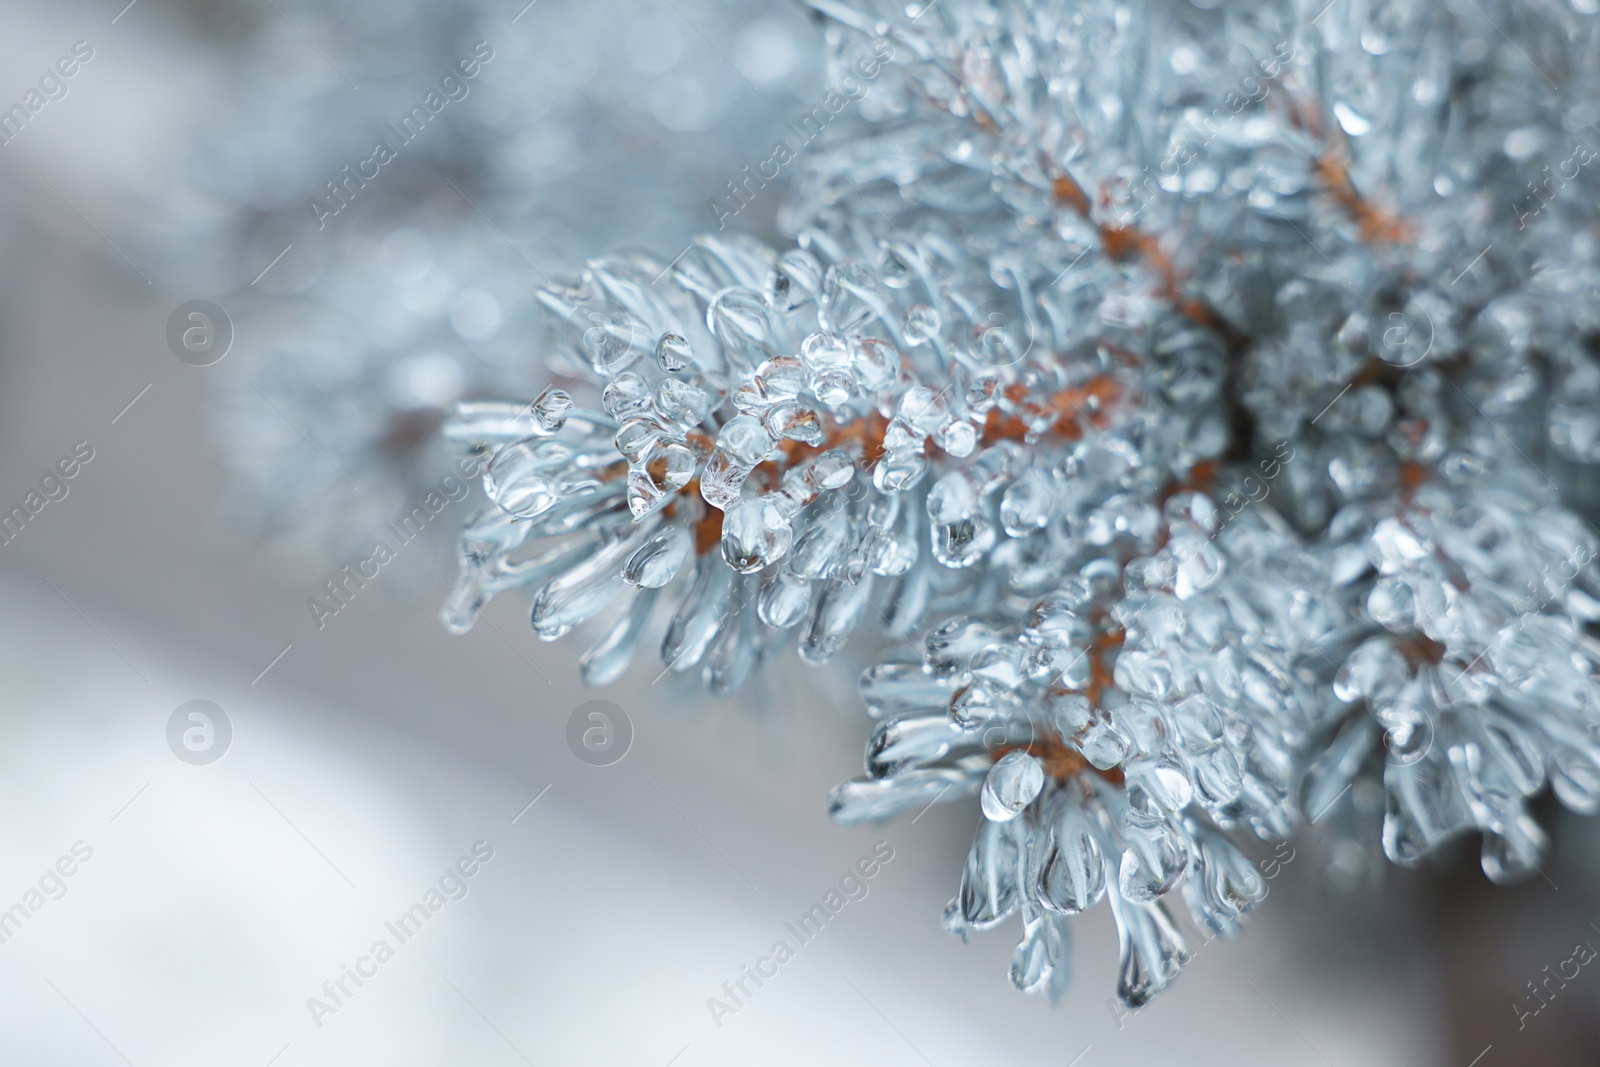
(223, 889)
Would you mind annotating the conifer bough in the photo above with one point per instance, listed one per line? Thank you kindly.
(1172, 387)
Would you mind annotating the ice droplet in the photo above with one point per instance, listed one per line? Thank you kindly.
(921, 324)
(1072, 876)
(1392, 606)
(672, 353)
(1013, 782)
(550, 410)
(1027, 504)
(657, 560)
(625, 395)
(989, 882)
(742, 444)
(755, 533)
(523, 478)
(1155, 857)
(739, 319)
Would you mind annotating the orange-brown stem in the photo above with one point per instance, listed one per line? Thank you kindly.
(1073, 407)
(1202, 478)
(708, 528)
(1099, 669)
(1421, 650)
(1412, 475)
(1069, 192)
(1060, 760)
(1377, 224)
